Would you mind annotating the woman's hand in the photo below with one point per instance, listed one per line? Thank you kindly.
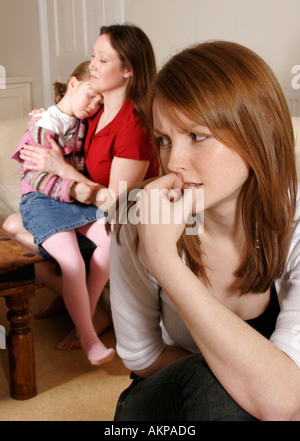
(163, 209)
(104, 198)
(47, 160)
(83, 192)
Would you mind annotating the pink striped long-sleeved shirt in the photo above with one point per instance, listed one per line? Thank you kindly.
(50, 184)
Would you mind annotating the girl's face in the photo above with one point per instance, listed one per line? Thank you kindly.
(199, 160)
(107, 72)
(85, 101)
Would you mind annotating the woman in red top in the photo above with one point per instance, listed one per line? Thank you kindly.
(117, 147)
(123, 138)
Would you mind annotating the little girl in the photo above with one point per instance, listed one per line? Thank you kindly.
(54, 209)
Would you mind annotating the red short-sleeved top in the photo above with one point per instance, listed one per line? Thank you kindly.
(124, 137)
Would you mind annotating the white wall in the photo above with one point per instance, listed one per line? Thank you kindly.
(269, 27)
(20, 49)
(20, 37)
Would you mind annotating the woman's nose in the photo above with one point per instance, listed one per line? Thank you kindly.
(178, 160)
(91, 65)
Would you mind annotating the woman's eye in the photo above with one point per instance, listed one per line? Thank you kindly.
(198, 138)
(162, 141)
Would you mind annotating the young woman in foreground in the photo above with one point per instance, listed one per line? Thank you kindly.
(209, 323)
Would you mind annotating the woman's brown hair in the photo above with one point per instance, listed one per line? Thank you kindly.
(81, 73)
(232, 91)
(136, 53)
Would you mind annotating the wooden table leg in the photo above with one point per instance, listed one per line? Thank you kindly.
(20, 345)
(18, 285)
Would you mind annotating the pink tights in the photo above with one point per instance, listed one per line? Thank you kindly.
(81, 297)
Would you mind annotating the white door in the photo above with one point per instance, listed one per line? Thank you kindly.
(69, 29)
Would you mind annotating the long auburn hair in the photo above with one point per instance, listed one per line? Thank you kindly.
(136, 53)
(232, 91)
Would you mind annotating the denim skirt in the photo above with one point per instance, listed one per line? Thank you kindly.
(43, 216)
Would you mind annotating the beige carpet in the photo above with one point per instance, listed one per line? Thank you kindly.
(69, 389)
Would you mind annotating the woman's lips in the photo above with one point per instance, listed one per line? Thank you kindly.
(192, 184)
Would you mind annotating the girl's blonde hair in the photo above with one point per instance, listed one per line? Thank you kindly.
(232, 91)
(81, 73)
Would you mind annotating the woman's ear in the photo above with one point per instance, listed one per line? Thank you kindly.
(128, 73)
